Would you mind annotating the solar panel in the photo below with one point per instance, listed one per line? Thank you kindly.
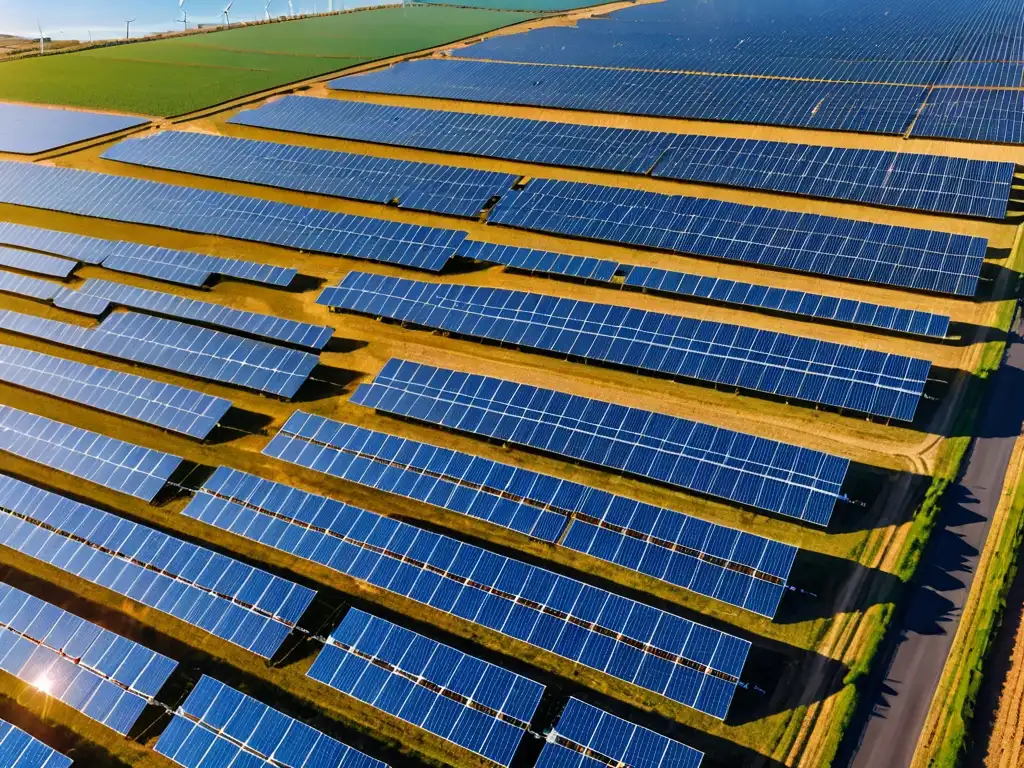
(802, 242)
(479, 706)
(658, 651)
(587, 737)
(813, 305)
(37, 263)
(534, 260)
(738, 568)
(764, 474)
(862, 107)
(152, 402)
(176, 346)
(29, 287)
(19, 750)
(125, 467)
(175, 266)
(973, 114)
(139, 201)
(825, 373)
(250, 323)
(422, 186)
(90, 669)
(900, 179)
(218, 725)
(28, 130)
(225, 597)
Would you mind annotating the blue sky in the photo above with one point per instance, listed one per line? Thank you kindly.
(105, 18)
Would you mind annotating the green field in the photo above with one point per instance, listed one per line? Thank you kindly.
(180, 75)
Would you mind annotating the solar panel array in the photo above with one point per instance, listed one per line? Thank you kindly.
(108, 293)
(37, 263)
(179, 347)
(19, 750)
(153, 402)
(972, 114)
(479, 706)
(29, 287)
(826, 373)
(865, 107)
(733, 566)
(217, 725)
(760, 473)
(184, 267)
(421, 186)
(130, 469)
(822, 245)
(225, 597)
(587, 737)
(188, 209)
(660, 652)
(791, 302)
(90, 669)
(899, 179)
(28, 129)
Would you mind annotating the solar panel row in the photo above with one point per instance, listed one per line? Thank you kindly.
(36, 263)
(28, 129)
(760, 473)
(729, 565)
(587, 737)
(227, 598)
(660, 652)
(825, 373)
(972, 114)
(250, 323)
(179, 347)
(88, 668)
(900, 179)
(130, 469)
(801, 303)
(167, 264)
(865, 107)
(139, 201)
(19, 750)
(29, 287)
(219, 726)
(823, 245)
(421, 186)
(152, 402)
(479, 706)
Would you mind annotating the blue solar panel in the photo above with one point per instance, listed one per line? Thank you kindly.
(280, 329)
(764, 474)
(38, 263)
(587, 737)
(175, 346)
(423, 186)
(167, 264)
(848, 311)
(139, 201)
(28, 130)
(826, 373)
(533, 260)
(900, 179)
(130, 469)
(973, 114)
(225, 597)
(163, 405)
(100, 674)
(658, 651)
(19, 750)
(729, 565)
(30, 287)
(217, 725)
(871, 108)
(821, 245)
(479, 706)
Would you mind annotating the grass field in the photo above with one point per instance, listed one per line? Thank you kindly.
(179, 75)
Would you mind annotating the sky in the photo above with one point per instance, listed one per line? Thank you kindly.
(76, 19)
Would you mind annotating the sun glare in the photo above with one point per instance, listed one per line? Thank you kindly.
(44, 684)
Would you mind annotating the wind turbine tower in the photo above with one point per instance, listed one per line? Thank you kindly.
(42, 49)
(266, 10)
(127, 29)
(227, 9)
(184, 13)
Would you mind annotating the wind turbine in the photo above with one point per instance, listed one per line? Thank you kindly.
(266, 10)
(181, 7)
(39, 26)
(291, 8)
(227, 19)
(127, 29)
